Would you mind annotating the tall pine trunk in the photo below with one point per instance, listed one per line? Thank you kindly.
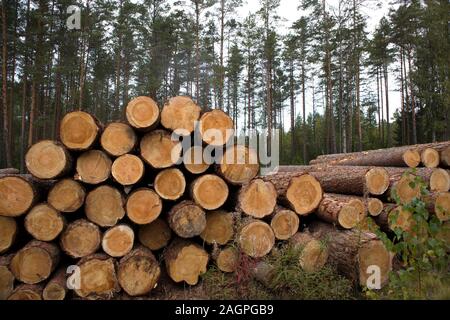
(6, 115)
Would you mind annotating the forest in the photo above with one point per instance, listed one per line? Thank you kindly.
(242, 65)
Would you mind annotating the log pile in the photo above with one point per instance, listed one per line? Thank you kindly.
(106, 210)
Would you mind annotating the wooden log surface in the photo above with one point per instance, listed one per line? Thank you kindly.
(81, 238)
(142, 113)
(48, 159)
(6, 277)
(79, 130)
(8, 233)
(257, 198)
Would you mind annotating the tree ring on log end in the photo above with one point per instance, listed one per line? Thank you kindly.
(374, 254)
(142, 113)
(216, 127)
(258, 199)
(375, 207)
(47, 159)
(313, 256)
(44, 223)
(430, 158)
(285, 224)
(143, 206)
(118, 139)
(442, 206)
(411, 158)
(16, 196)
(348, 216)
(170, 184)
(440, 180)
(304, 194)
(78, 130)
(219, 227)
(67, 196)
(256, 239)
(239, 165)
(210, 191)
(118, 241)
(127, 169)
(377, 181)
(180, 114)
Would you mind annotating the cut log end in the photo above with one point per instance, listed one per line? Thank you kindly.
(209, 191)
(142, 113)
(155, 235)
(187, 219)
(44, 223)
(219, 227)
(56, 288)
(406, 189)
(216, 127)
(185, 261)
(258, 199)
(128, 169)
(194, 161)
(373, 254)
(304, 194)
(27, 292)
(239, 165)
(313, 253)
(445, 157)
(256, 239)
(6, 282)
(442, 206)
(402, 219)
(93, 167)
(47, 160)
(67, 196)
(78, 130)
(143, 206)
(105, 206)
(170, 184)
(440, 180)
(430, 158)
(228, 260)
(285, 224)
(118, 241)
(375, 207)
(16, 196)
(158, 149)
(8, 232)
(80, 239)
(348, 217)
(118, 139)
(411, 158)
(179, 114)
(377, 181)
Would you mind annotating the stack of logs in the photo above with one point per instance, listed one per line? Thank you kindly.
(106, 210)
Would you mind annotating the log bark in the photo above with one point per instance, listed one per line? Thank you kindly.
(209, 191)
(8, 233)
(27, 292)
(256, 238)
(216, 127)
(313, 253)
(344, 211)
(103, 269)
(128, 170)
(6, 277)
(67, 195)
(257, 198)
(9, 171)
(93, 167)
(35, 262)
(143, 206)
(158, 149)
(81, 238)
(194, 160)
(48, 160)
(105, 206)
(239, 165)
(118, 241)
(440, 180)
(179, 114)
(143, 113)
(44, 223)
(445, 157)
(185, 261)
(118, 139)
(284, 223)
(79, 131)
(227, 259)
(299, 192)
(353, 252)
(138, 272)
(170, 184)
(375, 206)
(219, 227)
(56, 287)
(187, 219)
(155, 235)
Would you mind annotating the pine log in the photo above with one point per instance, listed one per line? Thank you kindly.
(118, 139)
(128, 169)
(56, 287)
(170, 184)
(80, 239)
(403, 185)
(257, 198)
(445, 157)
(79, 130)
(44, 223)
(138, 272)
(98, 277)
(439, 204)
(142, 113)
(159, 150)
(382, 220)
(345, 211)
(93, 167)
(143, 206)
(264, 273)
(179, 114)
(216, 127)
(155, 235)
(27, 292)
(209, 191)
(48, 160)
(239, 165)
(440, 180)
(6, 277)
(17, 195)
(219, 227)
(185, 261)
(35, 262)
(118, 241)
(313, 253)
(105, 206)
(299, 192)
(353, 252)
(187, 219)
(7, 171)
(67, 196)
(430, 158)
(227, 259)
(284, 223)
(8, 233)
(256, 238)
(375, 206)
(194, 160)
